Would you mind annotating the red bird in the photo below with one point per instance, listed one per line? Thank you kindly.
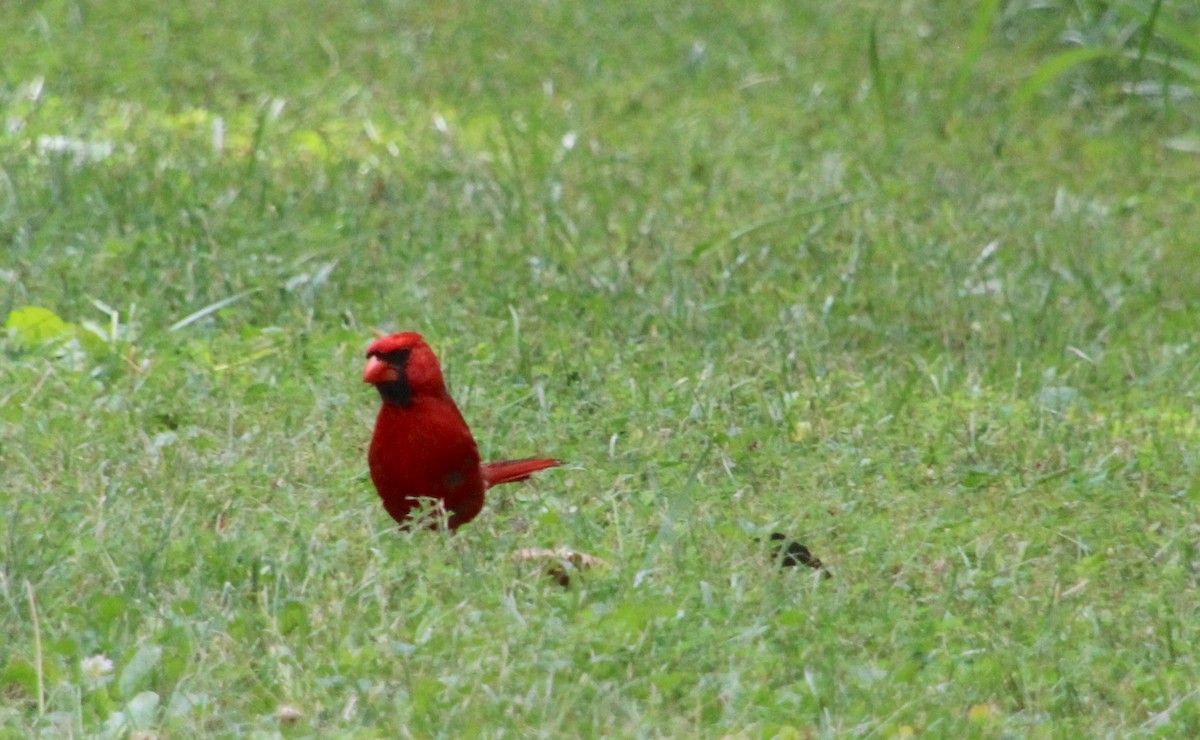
(422, 447)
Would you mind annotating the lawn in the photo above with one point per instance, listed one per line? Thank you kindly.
(900, 280)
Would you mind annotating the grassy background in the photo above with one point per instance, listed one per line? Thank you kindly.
(748, 266)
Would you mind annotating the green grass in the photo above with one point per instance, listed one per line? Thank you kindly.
(839, 270)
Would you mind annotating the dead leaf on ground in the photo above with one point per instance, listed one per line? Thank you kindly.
(560, 561)
(790, 553)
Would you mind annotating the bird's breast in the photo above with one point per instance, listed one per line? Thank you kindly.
(424, 450)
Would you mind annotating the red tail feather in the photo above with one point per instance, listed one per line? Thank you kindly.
(509, 471)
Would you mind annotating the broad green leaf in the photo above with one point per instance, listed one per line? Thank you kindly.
(35, 325)
(139, 668)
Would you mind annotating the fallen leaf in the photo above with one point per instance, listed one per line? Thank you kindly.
(791, 553)
(287, 714)
(559, 562)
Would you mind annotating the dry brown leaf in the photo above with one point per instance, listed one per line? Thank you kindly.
(560, 561)
(287, 714)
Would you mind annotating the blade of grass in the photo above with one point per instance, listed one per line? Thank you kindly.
(878, 81)
(707, 246)
(1055, 68)
(209, 309)
(1147, 35)
(1160, 26)
(1175, 64)
(977, 38)
(37, 650)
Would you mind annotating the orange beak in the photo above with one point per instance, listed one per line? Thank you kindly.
(378, 371)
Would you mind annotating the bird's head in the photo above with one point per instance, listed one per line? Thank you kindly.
(402, 366)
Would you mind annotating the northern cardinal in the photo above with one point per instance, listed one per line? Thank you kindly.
(422, 447)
